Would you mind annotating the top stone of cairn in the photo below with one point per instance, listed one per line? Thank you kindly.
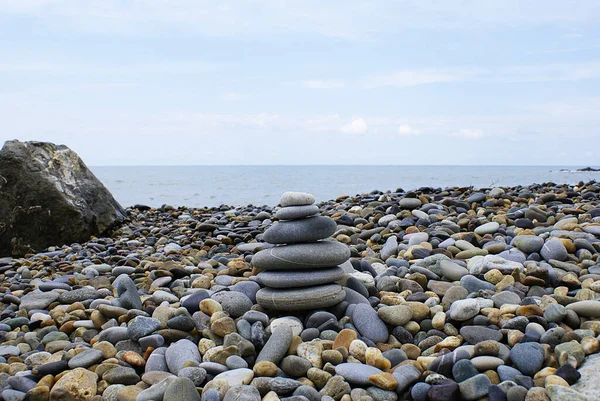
(296, 199)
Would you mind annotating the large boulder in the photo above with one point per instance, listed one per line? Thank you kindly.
(48, 197)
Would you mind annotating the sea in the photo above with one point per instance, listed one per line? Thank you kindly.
(200, 186)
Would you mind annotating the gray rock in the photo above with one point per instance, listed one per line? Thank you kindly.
(295, 366)
(527, 357)
(304, 278)
(296, 212)
(141, 326)
(50, 197)
(296, 199)
(405, 375)
(464, 309)
(179, 353)
(475, 387)
(293, 299)
(248, 288)
(356, 373)
(369, 324)
(554, 249)
(555, 313)
(180, 389)
(85, 359)
(233, 302)
(13, 395)
(121, 375)
(127, 291)
(473, 284)
(409, 203)
(487, 228)
(476, 334)
(302, 256)
(590, 308)
(528, 243)
(196, 375)
(390, 248)
(587, 385)
(452, 271)
(505, 297)
(79, 295)
(305, 230)
(156, 391)
(277, 345)
(242, 393)
(21, 383)
(38, 300)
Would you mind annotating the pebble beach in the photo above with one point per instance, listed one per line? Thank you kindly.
(452, 293)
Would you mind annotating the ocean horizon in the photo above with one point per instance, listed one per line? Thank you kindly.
(236, 185)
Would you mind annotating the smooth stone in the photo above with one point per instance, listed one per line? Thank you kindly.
(302, 256)
(79, 295)
(310, 229)
(156, 391)
(180, 353)
(369, 324)
(463, 370)
(410, 203)
(85, 359)
(121, 375)
(236, 377)
(356, 373)
(305, 278)
(296, 212)
(277, 345)
(554, 249)
(248, 288)
(475, 387)
(233, 302)
(444, 391)
(405, 375)
(476, 334)
(180, 389)
(196, 374)
(528, 243)
(316, 297)
(487, 228)
(141, 326)
(453, 271)
(390, 248)
(505, 297)
(38, 300)
(396, 315)
(292, 198)
(585, 308)
(483, 363)
(508, 373)
(464, 309)
(129, 297)
(561, 393)
(527, 357)
(473, 284)
(242, 393)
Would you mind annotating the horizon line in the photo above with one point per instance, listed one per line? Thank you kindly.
(343, 165)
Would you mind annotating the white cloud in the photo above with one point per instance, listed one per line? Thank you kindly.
(358, 126)
(323, 84)
(406, 130)
(468, 133)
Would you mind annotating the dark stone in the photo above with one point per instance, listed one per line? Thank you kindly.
(445, 391)
(569, 373)
(48, 197)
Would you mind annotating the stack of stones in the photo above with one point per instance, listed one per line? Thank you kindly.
(300, 272)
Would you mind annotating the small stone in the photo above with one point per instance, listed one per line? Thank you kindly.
(181, 388)
(475, 387)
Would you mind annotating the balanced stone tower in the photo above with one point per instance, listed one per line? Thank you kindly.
(300, 272)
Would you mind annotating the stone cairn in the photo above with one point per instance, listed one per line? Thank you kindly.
(300, 272)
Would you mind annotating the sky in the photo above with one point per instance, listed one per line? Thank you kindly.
(209, 82)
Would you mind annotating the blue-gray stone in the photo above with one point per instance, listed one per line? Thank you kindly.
(310, 229)
(302, 256)
(303, 278)
(296, 212)
(179, 353)
(356, 373)
(369, 324)
(141, 326)
(475, 387)
(181, 388)
(527, 357)
(233, 302)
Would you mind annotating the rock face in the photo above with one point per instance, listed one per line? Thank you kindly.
(48, 197)
(299, 273)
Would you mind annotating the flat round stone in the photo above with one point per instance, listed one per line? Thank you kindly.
(302, 256)
(296, 199)
(296, 212)
(321, 296)
(305, 230)
(305, 278)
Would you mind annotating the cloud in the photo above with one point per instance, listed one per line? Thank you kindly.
(406, 130)
(325, 84)
(358, 126)
(468, 133)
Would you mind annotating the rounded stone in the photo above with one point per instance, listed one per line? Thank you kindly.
(321, 296)
(302, 256)
(487, 228)
(233, 302)
(296, 212)
(369, 324)
(306, 230)
(528, 243)
(356, 373)
(396, 315)
(181, 388)
(527, 357)
(554, 249)
(296, 199)
(304, 278)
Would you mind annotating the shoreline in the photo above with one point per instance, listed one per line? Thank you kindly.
(455, 274)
